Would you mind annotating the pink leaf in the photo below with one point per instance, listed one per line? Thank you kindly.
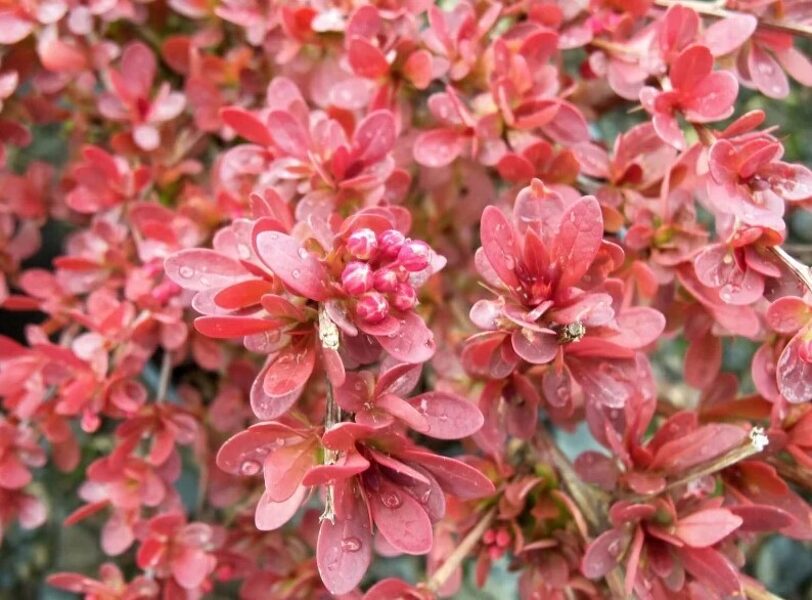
(375, 136)
(199, 269)
(288, 134)
(413, 342)
(272, 515)
(706, 527)
(537, 348)
(788, 314)
(449, 417)
(795, 372)
(296, 267)
(767, 74)
(499, 244)
(437, 148)
(726, 35)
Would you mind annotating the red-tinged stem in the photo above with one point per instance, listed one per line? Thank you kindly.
(802, 272)
(461, 552)
(716, 10)
(792, 472)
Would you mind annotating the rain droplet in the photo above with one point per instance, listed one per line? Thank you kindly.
(614, 548)
(250, 467)
(391, 500)
(303, 253)
(295, 273)
(351, 544)
(186, 272)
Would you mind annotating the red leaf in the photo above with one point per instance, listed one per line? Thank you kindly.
(703, 359)
(699, 446)
(706, 527)
(401, 519)
(226, 327)
(296, 267)
(712, 569)
(578, 240)
(603, 554)
(246, 124)
(366, 59)
(761, 518)
(289, 370)
(456, 477)
(242, 294)
(344, 551)
(691, 66)
(449, 417)
(244, 453)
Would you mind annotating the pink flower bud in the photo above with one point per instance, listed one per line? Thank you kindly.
(372, 307)
(385, 280)
(414, 255)
(362, 244)
(405, 297)
(390, 242)
(356, 278)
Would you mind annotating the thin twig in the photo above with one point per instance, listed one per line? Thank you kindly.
(754, 592)
(727, 460)
(460, 553)
(800, 270)
(163, 380)
(716, 11)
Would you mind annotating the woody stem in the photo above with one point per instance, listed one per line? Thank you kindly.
(800, 270)
(736, 455)
(332, 415)
(754, 592)
(165, 376)
(715, 10)
(460, 553)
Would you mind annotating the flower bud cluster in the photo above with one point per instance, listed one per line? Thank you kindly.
(378, 273)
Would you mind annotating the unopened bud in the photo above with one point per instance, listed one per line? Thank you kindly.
(357, 278)
(372, 307)
(414, 255)
(362, 244)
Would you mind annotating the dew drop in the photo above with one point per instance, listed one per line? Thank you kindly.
(295, 273)
(614, 548)
(391, 500)
(351, 544)
(186, 272)
(250, 467)
(303, 254)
